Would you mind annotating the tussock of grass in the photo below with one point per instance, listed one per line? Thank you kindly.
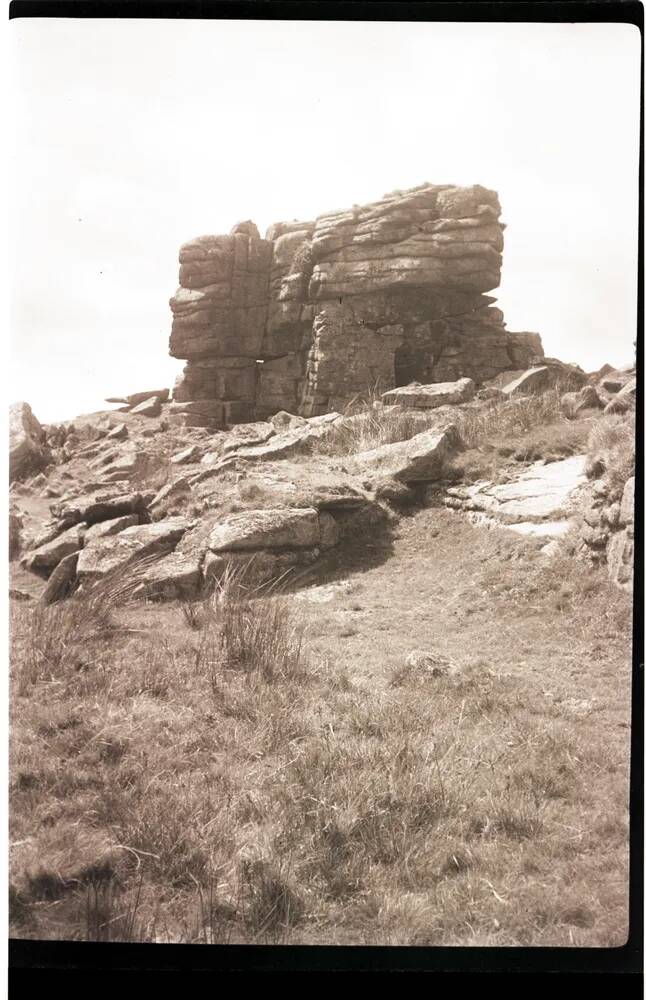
(372, 427)
(510, 417)
(611, 451)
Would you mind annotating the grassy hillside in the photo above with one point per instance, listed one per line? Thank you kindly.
(280, 769)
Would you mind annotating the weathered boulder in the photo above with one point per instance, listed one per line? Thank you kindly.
(283, 421)
(106, 528)
(28, 449)
(627, 509)
(104, 555)
(430, 396)
(533, 380)
(254, 569)
(148, 408)
(620, 556)
(62, 580)
(586, 398)
(419, 459)
(624, 399)
(613, 381)
(43, 560)
(118, 433)
(247, 435)
(92, 509)
(278, 527)
(175, 576)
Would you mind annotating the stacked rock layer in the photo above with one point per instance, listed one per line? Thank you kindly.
(319, 312)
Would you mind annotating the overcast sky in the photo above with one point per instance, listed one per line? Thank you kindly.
(132, 137)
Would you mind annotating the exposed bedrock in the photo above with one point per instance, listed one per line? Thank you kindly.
(318, 312)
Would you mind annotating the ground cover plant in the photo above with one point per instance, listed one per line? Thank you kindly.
(274, 768)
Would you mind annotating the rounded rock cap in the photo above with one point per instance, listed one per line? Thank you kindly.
(247, 228)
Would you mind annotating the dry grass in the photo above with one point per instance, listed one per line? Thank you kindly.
(203, 780)
(371, 427)
(250, 768)
(611, 451)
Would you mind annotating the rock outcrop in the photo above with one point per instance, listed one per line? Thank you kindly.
(379, 295)
(28, 449)
(608, 531)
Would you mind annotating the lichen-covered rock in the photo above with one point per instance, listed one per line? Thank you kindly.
(28, 451)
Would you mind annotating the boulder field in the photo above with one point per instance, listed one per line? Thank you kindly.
(269, 498)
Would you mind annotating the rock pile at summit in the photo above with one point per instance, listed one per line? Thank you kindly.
(382, 294)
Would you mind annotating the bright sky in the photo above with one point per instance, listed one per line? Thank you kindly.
(133, 136)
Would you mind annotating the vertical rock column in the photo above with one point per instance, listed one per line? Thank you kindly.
(219, 318)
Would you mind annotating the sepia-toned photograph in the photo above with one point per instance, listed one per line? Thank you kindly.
(323, 387)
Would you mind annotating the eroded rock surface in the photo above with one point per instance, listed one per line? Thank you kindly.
(317, 312)
(28, 450)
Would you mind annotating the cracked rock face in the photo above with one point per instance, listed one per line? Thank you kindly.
(382, 294)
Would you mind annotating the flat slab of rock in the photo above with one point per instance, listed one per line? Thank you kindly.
(420, 459)
(93, 509)
(278, 527)
(45, 558)
(285, 483)
(247, 435)
(118, 433)
(103, 555)
(538, 494)
(532, 380)
(425, 397)
(104, 529)
(186, 457)
(149, 408)
(140, 397)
